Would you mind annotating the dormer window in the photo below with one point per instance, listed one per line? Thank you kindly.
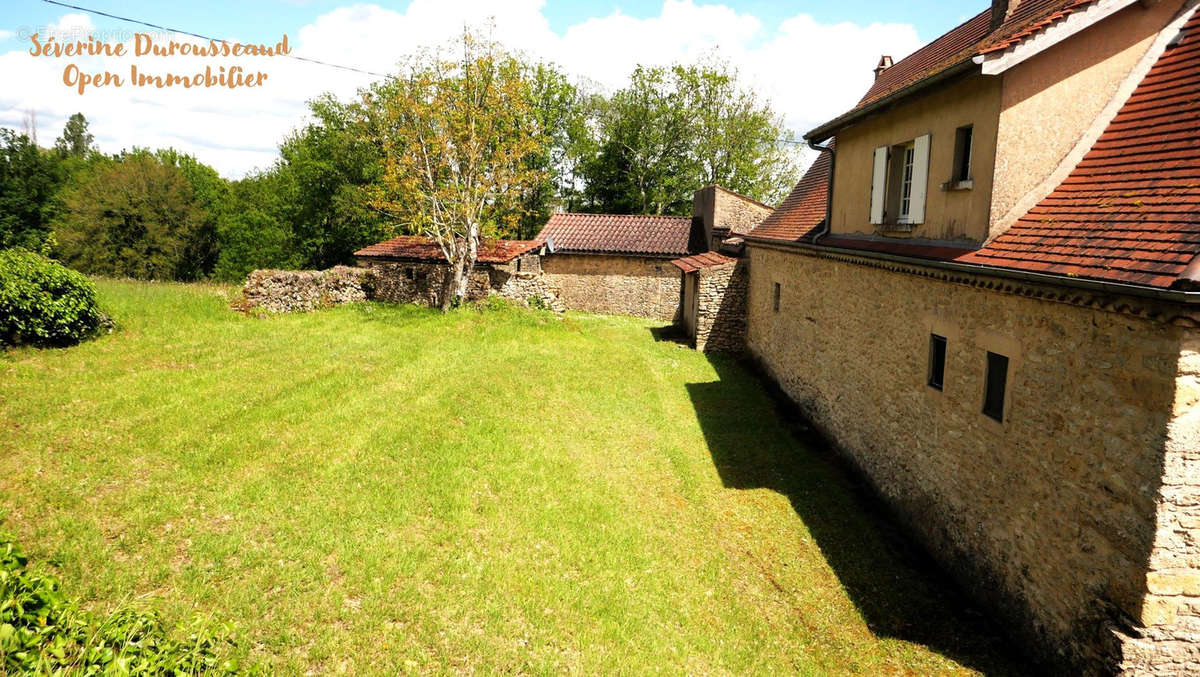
(899, 184)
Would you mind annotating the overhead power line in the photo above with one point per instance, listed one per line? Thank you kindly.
(205, 37)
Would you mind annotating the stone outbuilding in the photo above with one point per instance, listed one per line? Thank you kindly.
(617, 264)
(713, 300)
(412, 269)
(995, 317)
(622, 263)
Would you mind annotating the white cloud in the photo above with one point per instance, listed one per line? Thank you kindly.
(810, 71)
(4, 35)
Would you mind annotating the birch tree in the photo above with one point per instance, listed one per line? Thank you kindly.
(457, 136)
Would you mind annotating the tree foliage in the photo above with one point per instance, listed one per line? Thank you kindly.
(673, 130)
(463, 151)
(29, 180)
(136, 216)
(485, 143)
(330, 169)
(75, 141)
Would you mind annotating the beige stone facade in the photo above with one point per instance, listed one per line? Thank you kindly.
(716, 314)
(1036, 132)
(723, 213)
(615, 285)
(949, 214)
(1077, 518)
(1026, 123)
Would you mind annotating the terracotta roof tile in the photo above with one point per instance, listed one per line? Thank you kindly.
(618, 234)
(803, 209)
(706, 260)
(421, 248)
(1130, 211)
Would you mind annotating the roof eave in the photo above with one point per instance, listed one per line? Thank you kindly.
(830, 128)
(1141, 291)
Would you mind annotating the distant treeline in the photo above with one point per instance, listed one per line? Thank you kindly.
(161, 214)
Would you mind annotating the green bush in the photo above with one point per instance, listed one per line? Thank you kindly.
(41, 632)
(44, 303)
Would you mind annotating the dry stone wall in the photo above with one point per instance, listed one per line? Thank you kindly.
(1076, 518)
(721, 307)
(395, 282)
(615, 285)
(285, 291)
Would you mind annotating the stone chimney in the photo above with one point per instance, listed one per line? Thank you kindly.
(885, 62)
(1001, 10)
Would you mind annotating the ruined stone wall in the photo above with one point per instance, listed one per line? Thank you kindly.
(616, 285)
(421, 283)
(527, 286)
(285, 291)
(1058, 518)
(721, 309)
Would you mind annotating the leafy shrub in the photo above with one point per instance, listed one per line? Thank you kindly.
(44, 303)
(41, 632)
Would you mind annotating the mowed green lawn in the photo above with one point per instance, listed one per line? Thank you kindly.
(380, 489)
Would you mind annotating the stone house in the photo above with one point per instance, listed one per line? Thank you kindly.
(412, 269)
(986, 294)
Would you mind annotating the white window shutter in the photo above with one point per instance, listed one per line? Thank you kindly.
(920, 179)
(879, 184)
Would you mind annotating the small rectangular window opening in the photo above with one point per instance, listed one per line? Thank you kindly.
(964, 139)
(994, 386)
(906, 178)
(410, 273)
(937, 361)
(776, 302)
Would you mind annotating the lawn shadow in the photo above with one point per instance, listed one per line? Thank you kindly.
(898, 588)
(671, 332)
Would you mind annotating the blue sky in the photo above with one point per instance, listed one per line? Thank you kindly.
(811, 59)
(262, 19)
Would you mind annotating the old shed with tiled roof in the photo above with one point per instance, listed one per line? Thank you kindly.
(631, 234)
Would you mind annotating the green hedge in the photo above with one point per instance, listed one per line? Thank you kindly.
(43, 303)
(41, 632)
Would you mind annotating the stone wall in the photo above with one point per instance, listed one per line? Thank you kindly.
(616, 285)
(725, 212)
(721, 307)
(1058, 518)
(421, 283)
(1170, 642)
(285, 291)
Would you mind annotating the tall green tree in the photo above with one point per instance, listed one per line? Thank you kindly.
(29, 180)
(333, 167)
(253, 230)
(76, 140)
(673, 130)
(458, 136)
(131, 217)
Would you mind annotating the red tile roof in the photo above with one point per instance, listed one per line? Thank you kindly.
(618, 234)
(803, 209)
(1130, 211)
(706, 260)
(421, 248)
(957, 48)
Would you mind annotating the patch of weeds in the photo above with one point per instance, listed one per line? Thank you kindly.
(43, 632)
